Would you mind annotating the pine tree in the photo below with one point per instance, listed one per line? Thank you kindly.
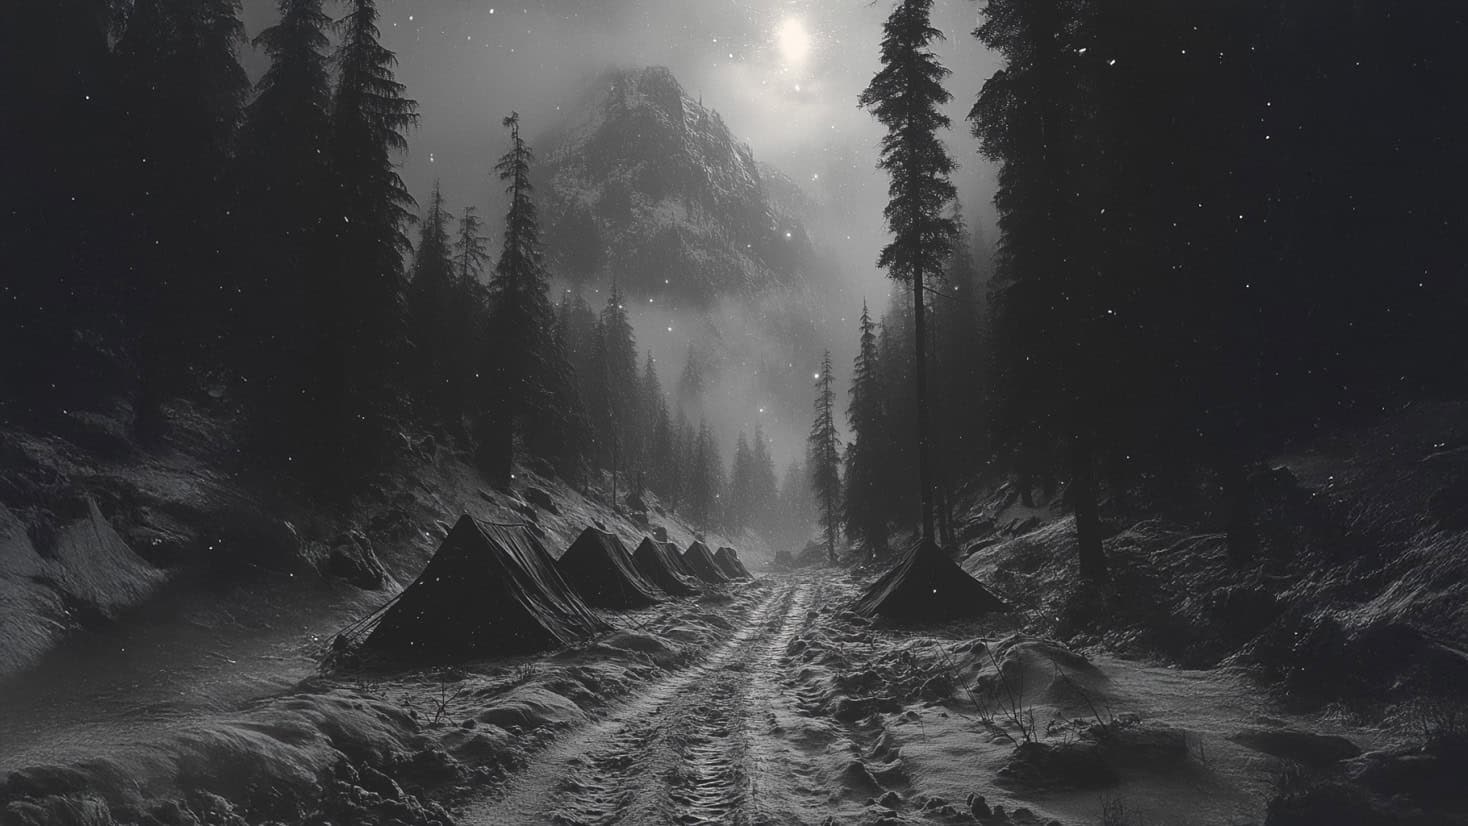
(956, 341)
(177, 63)
(863, 514)
(896, 456)
(682, 476)
(471, 248)
(282, 209)
(741, 485)
(663, 469)
(824, 451)
(580, 333)
(357, 302)
(657, 430)
(527, 372)
(618, 417)
(469, 314)
(564, 441)
(433, 303)
(1025, 117)
(797, 509)
(764, 489)
(906, 96)
(693, 381)
(706, 485)
(62, 225)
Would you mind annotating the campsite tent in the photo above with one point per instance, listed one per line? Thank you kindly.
(926, 585)
(702, 562)
(676, 562)
(653, 562)
(599, 568)
(728, 561)
(489, 590)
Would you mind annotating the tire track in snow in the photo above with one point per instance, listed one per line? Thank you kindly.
(680, 753)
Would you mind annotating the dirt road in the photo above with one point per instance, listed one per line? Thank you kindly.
(705, 745)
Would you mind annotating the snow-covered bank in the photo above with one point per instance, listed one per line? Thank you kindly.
(1361, 557)
(90, 534)
(88, 575)
(365, 747)
(164, 611)
(975, 722)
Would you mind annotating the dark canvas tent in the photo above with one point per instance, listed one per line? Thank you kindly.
(728, 561)
(926, 585)
(489, 590)
(698, 558)
(599, 568)
(653, 562)
(675, 561)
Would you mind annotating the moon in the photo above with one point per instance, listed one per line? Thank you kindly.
(793, 41)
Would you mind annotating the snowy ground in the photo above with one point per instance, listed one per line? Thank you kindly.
(769, 702)
(765, 703)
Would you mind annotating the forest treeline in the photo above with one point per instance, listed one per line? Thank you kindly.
(172, 227)
(172, 230)
(1223, 226)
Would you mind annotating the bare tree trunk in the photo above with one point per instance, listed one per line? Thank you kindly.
(830, 529)
(945, 514)
(940, 442)
(1083, 501)
(1117, 483)
(925, 473)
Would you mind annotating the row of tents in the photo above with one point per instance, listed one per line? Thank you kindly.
(494, 590)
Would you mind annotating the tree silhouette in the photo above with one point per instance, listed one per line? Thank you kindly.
(863, 515)
(358, 306)
(764, 488)
(1025, 118)
(177, 64)
(906, 96)
(527, 367)
(283, 204)
(824, 452)
(433, 302)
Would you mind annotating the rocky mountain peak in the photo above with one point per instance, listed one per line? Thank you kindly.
(646, 184)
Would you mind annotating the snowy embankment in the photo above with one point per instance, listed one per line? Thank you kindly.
(979, 722)
(88, 574)
(365, 748)
(163, 621)
(1350, 619)
(1362, 559)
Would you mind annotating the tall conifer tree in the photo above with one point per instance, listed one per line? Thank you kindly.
(741, 485)
(1025, 118)
(433, 301)
(280, 218)
(906, 96)
(528, 378)
(177, 64)
(824, 451)
(471, 248)
(764, 488)
(358, 299)
(863, 513)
